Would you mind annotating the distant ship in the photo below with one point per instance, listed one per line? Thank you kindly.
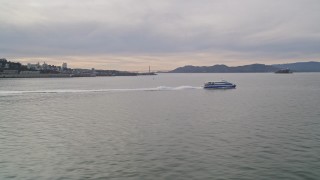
(284, 71)
(219, 85)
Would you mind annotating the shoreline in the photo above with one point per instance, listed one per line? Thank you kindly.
(66, 75)
(35, 76)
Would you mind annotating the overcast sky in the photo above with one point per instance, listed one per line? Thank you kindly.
(165, 34)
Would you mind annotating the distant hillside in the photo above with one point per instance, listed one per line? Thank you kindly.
(300, 66)
(253, 68)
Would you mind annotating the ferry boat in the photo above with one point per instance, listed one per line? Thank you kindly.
(219, 85)
(284, 71)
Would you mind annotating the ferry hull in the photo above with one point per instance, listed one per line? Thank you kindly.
(220, 87)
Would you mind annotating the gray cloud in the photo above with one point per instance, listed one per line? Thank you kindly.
(268, 28)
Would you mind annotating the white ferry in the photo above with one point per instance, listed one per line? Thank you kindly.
(219, 85)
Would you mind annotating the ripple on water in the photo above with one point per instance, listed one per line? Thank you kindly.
(256, 131)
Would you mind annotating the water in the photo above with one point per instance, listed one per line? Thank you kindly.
(161, 127)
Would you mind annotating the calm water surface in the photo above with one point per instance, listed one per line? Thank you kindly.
(161, 127)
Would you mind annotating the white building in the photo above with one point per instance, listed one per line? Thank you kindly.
(64, 66)
(30, 72)
(33, 66)
(44, 66)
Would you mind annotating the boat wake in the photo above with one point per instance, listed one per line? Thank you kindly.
(160, 88)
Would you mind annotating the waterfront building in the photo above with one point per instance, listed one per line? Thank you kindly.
(10, 72)
(44, 66)
(33, 66)
(3, 62)
(64, 66)
(29, 72)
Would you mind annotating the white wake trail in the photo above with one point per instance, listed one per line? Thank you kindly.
(160, 88)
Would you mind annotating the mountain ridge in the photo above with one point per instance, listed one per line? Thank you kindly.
(311, 66)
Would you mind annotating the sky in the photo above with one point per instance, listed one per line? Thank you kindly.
(164, 34)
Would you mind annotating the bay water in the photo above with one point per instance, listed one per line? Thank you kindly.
(161, 127)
